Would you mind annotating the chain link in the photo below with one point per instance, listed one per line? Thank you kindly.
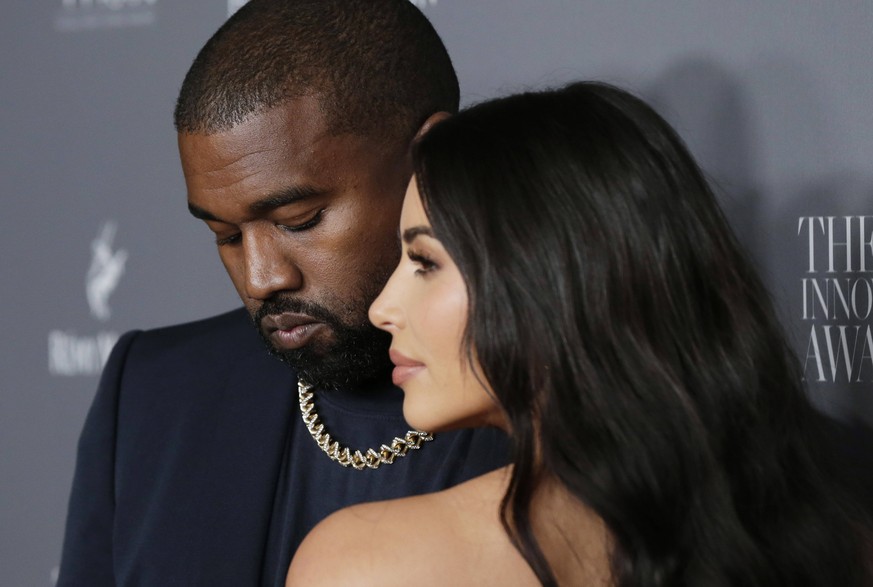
(371, 459)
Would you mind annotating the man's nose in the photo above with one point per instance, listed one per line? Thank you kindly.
(269, 267)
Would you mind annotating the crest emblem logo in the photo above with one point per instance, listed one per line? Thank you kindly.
(71, 354)
(107, 267)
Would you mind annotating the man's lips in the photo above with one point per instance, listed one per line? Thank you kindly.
(290, 331)
(404, 367)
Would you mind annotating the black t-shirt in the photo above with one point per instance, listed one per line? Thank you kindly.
(312, 486)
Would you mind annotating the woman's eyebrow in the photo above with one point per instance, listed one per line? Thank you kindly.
(410, 233)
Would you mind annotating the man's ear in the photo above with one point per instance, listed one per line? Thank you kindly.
(428, 124)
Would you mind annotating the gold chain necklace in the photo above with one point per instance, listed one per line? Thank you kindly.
(345, 457)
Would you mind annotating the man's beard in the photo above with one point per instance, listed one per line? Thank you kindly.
(358, 352)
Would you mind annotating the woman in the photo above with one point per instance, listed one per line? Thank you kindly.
(568, 276)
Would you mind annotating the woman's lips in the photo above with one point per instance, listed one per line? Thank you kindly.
(404, 369)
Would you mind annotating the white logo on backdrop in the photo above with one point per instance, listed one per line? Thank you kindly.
(837, 298)
(70, 354)
(81, 15)
(107, 267)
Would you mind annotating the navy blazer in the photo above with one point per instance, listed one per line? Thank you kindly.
(182, 453)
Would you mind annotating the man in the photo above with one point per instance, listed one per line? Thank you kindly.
(195, 466)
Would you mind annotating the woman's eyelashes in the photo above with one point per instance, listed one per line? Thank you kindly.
(424, 263)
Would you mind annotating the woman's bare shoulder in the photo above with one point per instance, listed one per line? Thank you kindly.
(431, 539)
(370, 544)
(346, 548)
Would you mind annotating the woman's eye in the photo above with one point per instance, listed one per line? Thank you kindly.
(425, 263)
(315, 219)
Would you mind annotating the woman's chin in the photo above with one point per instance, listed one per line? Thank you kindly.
(424, 422)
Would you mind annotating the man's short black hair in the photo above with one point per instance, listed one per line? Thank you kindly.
(378, 67)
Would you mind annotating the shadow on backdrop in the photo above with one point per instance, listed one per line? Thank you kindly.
(711, 109)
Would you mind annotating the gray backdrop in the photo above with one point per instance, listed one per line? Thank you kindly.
(774, 97)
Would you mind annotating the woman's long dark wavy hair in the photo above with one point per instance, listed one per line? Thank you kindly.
(609, 298)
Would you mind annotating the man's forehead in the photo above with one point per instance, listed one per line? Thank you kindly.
(285, 148)
(228, 152)
(297, 124)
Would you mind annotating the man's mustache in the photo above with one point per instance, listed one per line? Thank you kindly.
(282, 305)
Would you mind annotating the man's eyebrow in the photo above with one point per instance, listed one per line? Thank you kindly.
(410, 233)
(198, 212)
(275, 200)
(285, 196)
